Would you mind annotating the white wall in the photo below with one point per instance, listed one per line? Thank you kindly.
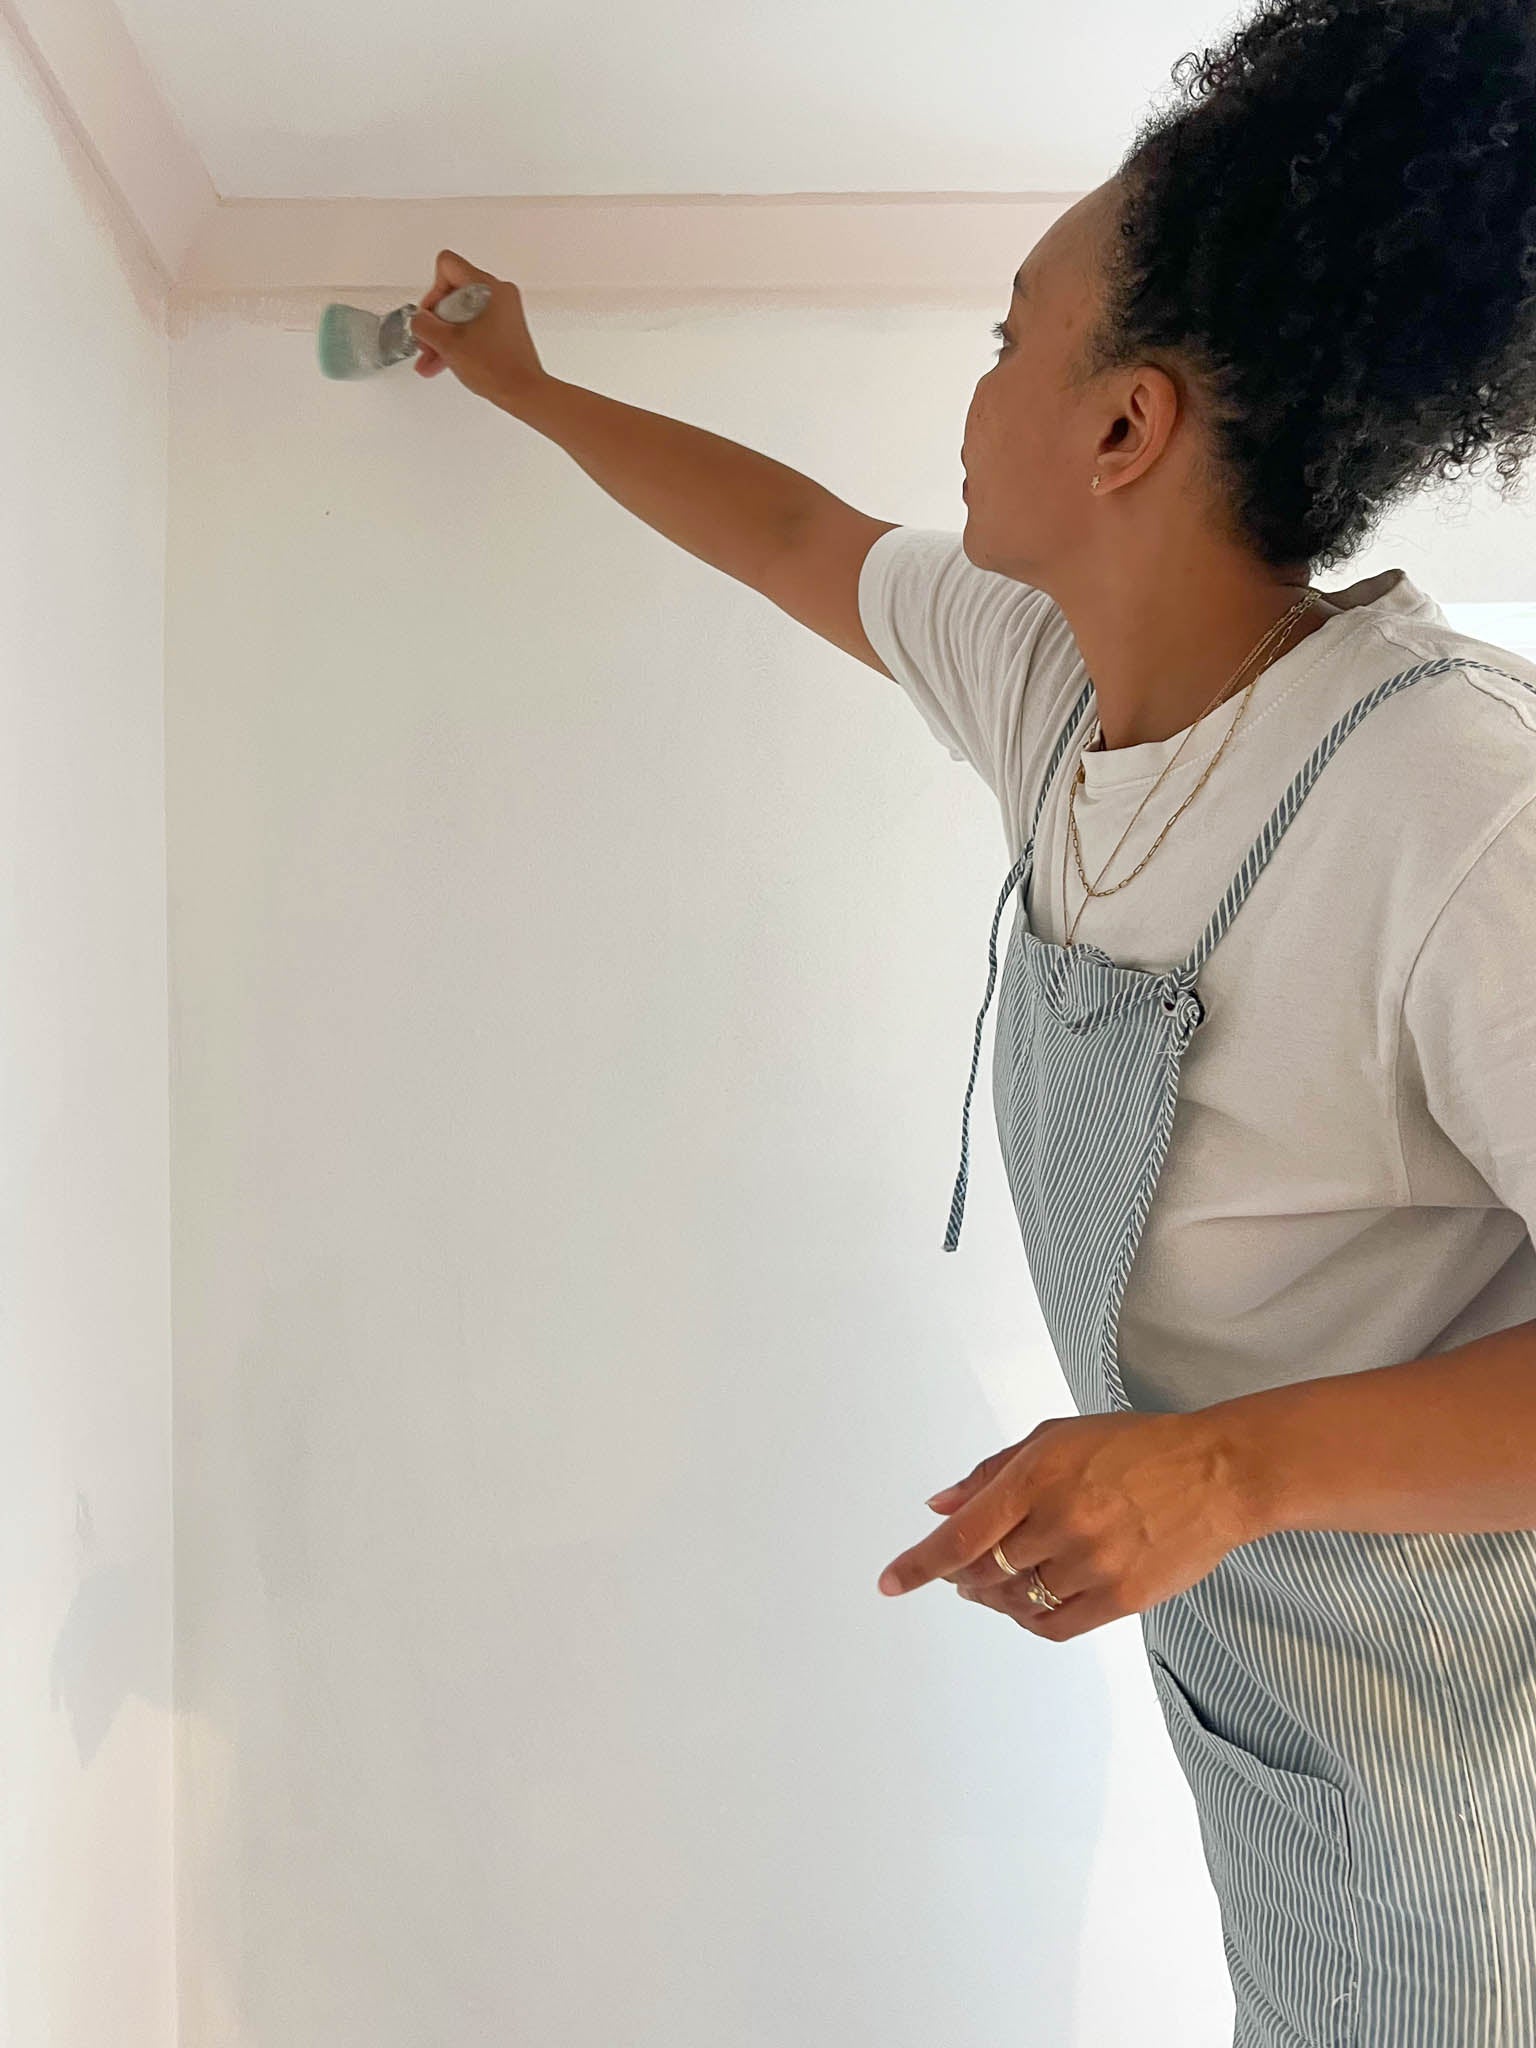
(85, 1495)
(574, 969)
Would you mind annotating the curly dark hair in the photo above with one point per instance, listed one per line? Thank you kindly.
(1333, 239)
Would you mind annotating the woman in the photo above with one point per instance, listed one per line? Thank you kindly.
(1265, 1061)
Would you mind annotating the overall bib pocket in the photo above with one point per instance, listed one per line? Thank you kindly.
(1277, 1847)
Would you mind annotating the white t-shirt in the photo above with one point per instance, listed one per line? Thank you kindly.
(1351, 1179)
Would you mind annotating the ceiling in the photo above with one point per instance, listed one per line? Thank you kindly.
(295, 99)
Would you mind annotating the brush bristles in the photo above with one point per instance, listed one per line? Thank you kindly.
(347, 342)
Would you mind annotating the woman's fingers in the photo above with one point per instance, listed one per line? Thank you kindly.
(1089, 1609)
(1074, 1617)
(1066, 1572)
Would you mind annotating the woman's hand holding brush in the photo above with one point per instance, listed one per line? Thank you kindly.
(492, 355)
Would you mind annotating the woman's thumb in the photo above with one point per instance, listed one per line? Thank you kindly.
(948, 1498)
(454, 270)
(451, 271)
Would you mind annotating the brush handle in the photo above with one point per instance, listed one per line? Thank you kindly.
(467, 303)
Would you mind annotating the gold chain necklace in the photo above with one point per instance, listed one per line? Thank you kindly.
(1276, 631)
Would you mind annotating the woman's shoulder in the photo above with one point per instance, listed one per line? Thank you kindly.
(1442, 764)
(1475, 688)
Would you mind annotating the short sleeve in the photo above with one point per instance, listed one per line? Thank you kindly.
(1469, 1008)
(960, 641)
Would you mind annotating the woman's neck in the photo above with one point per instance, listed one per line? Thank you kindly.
(1158, 662)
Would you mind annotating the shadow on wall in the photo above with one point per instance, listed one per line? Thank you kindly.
(109, 1645)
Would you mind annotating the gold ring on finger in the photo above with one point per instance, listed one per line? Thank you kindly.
(1039, 1593)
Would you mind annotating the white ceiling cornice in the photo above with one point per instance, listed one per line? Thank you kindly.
(827, 247)
(835, 248)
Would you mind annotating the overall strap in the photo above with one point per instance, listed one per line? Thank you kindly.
(1280, 818)
(1020, 870)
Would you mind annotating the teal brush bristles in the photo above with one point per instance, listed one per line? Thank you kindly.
(352, 343)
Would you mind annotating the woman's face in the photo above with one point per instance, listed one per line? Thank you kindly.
(1031, 436)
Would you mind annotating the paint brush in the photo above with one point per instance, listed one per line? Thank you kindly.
(354, 343)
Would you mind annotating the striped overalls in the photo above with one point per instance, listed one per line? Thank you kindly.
(1355, 1714)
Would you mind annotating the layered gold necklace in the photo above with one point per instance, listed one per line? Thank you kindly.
(1275, 633)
